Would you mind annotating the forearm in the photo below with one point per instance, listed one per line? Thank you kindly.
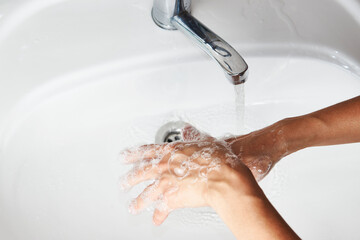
(244, 207)
(249, 214)
(338, 124)
(262, 149)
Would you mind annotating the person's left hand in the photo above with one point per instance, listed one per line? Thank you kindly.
(185, 174)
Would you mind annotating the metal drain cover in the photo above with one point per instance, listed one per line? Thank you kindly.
(170, 132)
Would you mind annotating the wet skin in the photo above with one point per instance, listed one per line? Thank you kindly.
(223, 174)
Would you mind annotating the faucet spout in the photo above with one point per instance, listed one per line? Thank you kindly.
(224, 54)
(175, 15)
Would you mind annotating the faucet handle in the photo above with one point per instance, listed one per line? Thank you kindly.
(164, 10)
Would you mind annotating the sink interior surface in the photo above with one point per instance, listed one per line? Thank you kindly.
(82, 80)
(61, 155)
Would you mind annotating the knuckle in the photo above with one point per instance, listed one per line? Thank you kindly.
(164, 181)
(163, 165)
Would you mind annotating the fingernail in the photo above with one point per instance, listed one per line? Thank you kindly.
(124, 183)
(132, 207)
(156, 221)
(123, 155)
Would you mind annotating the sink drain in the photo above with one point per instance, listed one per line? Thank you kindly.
(170, 132)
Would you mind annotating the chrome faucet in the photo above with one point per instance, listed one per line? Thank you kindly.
(175, 15)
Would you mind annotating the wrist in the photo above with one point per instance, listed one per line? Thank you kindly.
(232, 185)
(300, 132)
(244, 208)
(271, 142)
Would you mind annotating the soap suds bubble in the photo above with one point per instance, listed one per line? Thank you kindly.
(180, 172)
(261, 166)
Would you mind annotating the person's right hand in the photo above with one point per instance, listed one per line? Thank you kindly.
(261, 150)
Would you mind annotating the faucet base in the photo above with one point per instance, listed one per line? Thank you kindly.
(162, 24)
(164, 10)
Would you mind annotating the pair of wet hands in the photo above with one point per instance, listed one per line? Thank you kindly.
(182, 171)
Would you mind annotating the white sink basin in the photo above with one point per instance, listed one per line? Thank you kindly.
(83, 79)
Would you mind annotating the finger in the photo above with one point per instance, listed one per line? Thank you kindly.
(190, 134)
(160, 216)
(150, 194)
(150, 171)
(136, 154)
